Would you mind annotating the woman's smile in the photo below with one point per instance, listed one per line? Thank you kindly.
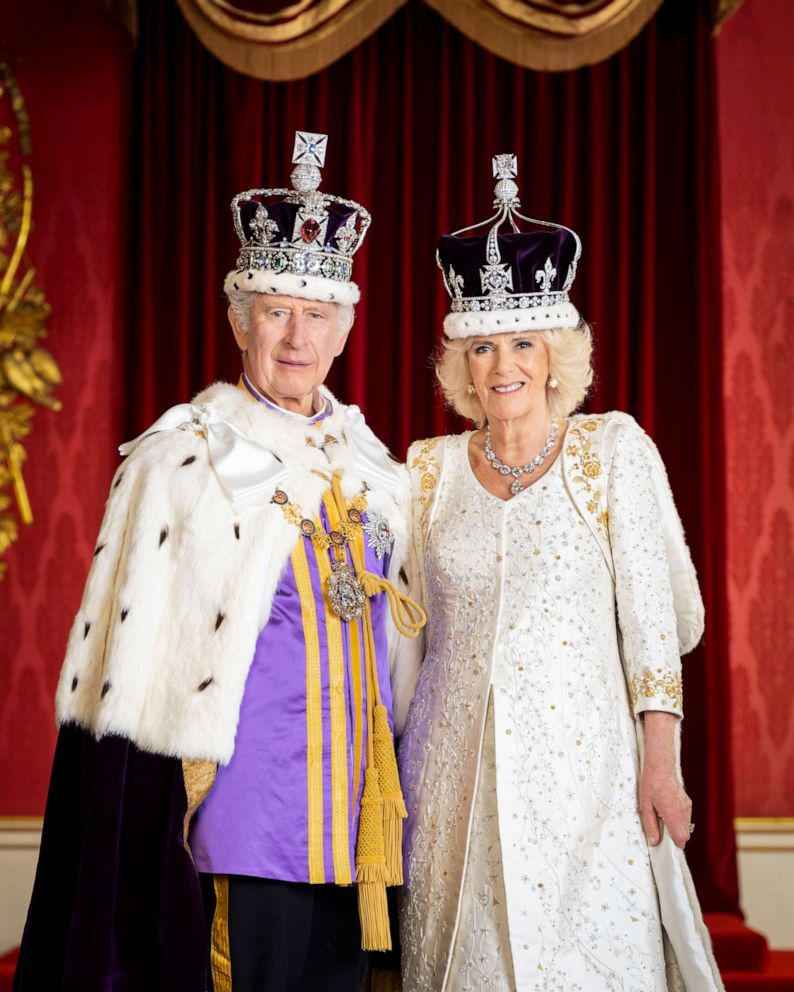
(511, 388)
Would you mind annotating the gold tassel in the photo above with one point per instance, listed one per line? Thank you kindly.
(394, 811)
(373, 909)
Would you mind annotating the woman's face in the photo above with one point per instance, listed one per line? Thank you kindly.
(509, 373)
(289, 346)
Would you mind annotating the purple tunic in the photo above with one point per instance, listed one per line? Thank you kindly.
(258, 818)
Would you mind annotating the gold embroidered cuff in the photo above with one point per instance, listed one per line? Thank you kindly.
(657, 689)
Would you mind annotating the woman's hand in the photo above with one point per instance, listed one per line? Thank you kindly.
(662, 796)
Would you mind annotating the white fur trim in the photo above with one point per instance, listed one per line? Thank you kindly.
(475, 323)
(182, 584)
(288, 284)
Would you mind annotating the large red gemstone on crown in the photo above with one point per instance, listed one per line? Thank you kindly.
(309, 230)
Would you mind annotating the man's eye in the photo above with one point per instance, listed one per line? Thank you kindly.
(315, 314)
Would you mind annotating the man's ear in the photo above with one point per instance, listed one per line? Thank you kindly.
(343, 340)
(240, 335)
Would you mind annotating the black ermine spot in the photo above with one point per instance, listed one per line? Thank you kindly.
(117, 483)
(188, 461)
(105, 689)
(237, 531)
(404, 575)
(98, 549)
(86, 628)
(204, 684)
(219, 620)
(124, 614)
(74, 683)
(163, 536)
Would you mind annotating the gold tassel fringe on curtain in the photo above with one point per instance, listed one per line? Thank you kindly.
(281, 40)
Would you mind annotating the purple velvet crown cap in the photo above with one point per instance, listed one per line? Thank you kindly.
(283, 214)
(525, 252)
(510, 280)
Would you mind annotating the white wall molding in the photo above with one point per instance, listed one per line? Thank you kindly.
(765, 853)
(765, 849)
(20, 837)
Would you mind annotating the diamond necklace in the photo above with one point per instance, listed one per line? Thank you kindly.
(531, 466)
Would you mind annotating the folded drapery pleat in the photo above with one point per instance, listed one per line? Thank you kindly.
(290, 39)
(289, 48)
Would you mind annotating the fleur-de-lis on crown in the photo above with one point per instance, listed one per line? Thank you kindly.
(545, 276)
(263, 227)
(456, 283)
(347, 235)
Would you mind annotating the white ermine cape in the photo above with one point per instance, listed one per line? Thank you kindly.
(188, 559)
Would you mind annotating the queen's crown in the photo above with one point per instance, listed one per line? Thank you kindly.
(503, 273)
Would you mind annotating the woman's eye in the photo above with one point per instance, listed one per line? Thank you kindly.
(524, 344)
(481, 349)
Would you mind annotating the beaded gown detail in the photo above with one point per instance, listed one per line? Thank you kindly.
(544, 882)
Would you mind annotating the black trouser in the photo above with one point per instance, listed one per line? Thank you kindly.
(286, 936)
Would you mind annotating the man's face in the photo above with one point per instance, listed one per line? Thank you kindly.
(289, 346)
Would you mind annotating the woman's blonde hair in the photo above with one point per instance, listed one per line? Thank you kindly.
(570, 353)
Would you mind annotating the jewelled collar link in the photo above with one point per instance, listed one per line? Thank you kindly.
(356, 507)
(517, 471)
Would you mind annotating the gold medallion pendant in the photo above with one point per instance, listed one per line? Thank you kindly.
(345, 593)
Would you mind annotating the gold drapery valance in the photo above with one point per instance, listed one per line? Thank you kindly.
(289, 42)
(549, 35)
(291, 39)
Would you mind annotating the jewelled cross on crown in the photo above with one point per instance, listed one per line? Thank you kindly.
(310, 148)
(497, 277)
(308, 157)
(505, 168)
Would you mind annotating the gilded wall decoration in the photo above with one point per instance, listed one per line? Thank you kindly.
(28, 372)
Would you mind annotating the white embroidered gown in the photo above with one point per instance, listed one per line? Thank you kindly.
(544, 882)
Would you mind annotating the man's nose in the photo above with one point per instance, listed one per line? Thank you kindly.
(296, 331)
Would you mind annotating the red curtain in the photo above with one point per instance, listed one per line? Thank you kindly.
(624, 152)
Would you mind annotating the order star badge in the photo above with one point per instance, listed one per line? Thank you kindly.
(379, 535)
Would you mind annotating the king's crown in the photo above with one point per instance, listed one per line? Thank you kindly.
(300, 230)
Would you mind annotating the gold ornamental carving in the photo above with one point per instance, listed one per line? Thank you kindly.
(28, 372)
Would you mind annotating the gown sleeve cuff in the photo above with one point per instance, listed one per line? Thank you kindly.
(657, 689)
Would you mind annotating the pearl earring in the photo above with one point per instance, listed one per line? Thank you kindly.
(552, 383)
(470, 388)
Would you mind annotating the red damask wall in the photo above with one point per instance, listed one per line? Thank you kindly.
(73, 64)
(756, 92)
